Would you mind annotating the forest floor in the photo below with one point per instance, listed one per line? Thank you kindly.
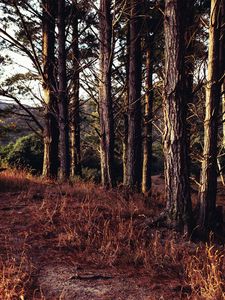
(78, 241)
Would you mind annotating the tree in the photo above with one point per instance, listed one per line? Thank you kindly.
(64, 152)
(51, 134)
(24, 39)
(125, 104)
(222, 65)
(134, 142)
(105, 96)
(148, 105)
(177, 189)
(74, 101)
(208, 187)
(147, 139)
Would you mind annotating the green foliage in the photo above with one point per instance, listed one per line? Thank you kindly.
(157, 159)
(91, 174)
(5, 150)
(26, 153)
(91, 166)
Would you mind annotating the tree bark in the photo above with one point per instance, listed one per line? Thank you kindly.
(126, 101)
(147, 139)
(51, 133)
(75, 103)
(222, 65)
(64, 152)
(189, 50)
(105, 97)
(223, 113)
(134, 155)
(177, 189)
(208, 181)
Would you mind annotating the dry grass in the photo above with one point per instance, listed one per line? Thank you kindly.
(105, 229)
(204, 272)
(15, 272)
(13, 180)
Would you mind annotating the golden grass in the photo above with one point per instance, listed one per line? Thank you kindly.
(15, 272)
(204, 273)
(13, 180)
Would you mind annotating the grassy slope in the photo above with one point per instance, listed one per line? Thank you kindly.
(64, 241)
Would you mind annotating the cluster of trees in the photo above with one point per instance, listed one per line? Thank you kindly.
(141, 66)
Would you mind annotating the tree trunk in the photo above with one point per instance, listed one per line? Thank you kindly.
(105, 97)
(222, 65)
(189, 53)
(126, 101)
(147, 139)
(223, 112)
(208, 181)
(177, 189)
(75, 104)
(190, 41)
(134, 155)
(64, 153)
(51, 134)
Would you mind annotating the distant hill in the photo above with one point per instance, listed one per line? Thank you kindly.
(14, 121)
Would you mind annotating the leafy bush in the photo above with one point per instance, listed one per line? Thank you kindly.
(157, 164)
(91, 174)
(26, 153)
(4, 151)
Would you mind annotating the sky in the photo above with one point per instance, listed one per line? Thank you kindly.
(19, 64)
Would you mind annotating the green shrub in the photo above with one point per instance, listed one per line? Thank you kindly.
(26, 153)
(157, 164)
(4, 151)
(90, 174)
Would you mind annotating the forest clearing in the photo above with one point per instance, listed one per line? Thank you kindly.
(63, 241)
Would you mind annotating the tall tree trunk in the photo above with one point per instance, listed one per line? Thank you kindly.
(190, 41)
(189, 53)
(51, 134)
(75, 103)
(222, 65)
(134, 155)
(147, 139)
(105, 97)
(177, 189)
(208, 181)
(223, 112)
(126, 101)
(64, 152)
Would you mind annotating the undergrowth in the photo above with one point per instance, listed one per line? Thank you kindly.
(15, 276)
(204, 272)
(106, 229)
(11, 183)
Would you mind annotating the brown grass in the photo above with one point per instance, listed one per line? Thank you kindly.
(103, 229)
(15, 275)
(13, 180)
(204, 273)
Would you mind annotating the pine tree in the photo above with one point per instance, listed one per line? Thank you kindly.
(134, 141)
(177, 189)
(64, 153)
(208, 181)
(51, 134)
(75, 101)
(105, 95)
